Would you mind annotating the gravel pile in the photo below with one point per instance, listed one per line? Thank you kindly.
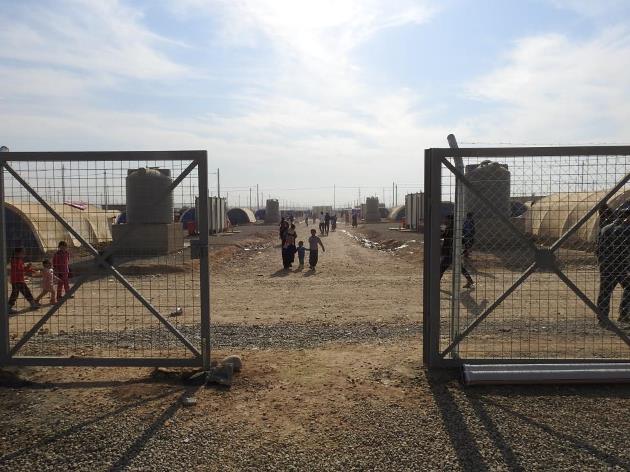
(267, 336)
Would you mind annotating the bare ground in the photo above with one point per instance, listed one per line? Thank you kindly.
(332, 380)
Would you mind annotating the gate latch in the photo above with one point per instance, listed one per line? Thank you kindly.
(545, 259)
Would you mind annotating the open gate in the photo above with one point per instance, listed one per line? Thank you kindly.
(529, 246)
(138, 292)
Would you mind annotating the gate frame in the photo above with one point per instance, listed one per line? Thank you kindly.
(199, 160)
(434, 160)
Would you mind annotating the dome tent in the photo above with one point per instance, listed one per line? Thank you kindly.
(241, 216)
(30, 225)
(554, 215)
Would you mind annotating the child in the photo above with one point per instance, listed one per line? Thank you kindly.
(48, 280)
(314, 241)
(301, 251)
(18, 283)
(61, 266)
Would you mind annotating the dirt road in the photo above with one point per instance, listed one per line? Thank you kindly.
(351, 283)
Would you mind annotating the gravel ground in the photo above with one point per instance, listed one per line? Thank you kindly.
(436, 426)
(266, 336)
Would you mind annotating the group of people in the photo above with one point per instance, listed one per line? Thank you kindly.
(327, 222)
(288, 236)
(55, 272)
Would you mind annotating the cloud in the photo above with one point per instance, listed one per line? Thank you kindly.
(311, 105)
(591, 8)
(93, 37)
(555, 89)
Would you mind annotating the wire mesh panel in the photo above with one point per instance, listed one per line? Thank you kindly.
(521, 269)
(100, 266)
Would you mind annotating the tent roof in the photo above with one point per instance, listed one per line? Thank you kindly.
(553, 215)
(247, 211)
(92, 223)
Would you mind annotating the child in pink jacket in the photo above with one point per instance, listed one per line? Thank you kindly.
(48, 282)
(61, 267)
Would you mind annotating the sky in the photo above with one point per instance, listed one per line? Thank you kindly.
(303, 96)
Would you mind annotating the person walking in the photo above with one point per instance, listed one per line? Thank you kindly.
(446, 258)
(301, 252)
(468, 234)
(327, 223)
(61, 268)
(313, 244)
(18, 280)
(613, 257)
(48, 282)
(322, 223)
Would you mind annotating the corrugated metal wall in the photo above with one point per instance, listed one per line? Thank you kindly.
(216, 214)
(414, 209)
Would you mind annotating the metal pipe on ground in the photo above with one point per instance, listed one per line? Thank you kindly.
(512, 374)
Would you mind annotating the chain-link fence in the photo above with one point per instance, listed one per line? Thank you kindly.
(520, 269)
(101, 269)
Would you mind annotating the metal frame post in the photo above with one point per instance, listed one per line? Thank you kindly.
(204, 267)
(4, 309)
(458, 223)
(431, 299)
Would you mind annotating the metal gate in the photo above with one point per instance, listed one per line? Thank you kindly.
(137, 291)
(524, 232)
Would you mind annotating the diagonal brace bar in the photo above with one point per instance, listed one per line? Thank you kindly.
(104, 263)
(488, 203)
(482, 316)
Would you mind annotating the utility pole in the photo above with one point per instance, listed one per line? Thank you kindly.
(250, 198)
(218, 184)
(359, 196)
(257, 198)
(396, 195)
(393, 198)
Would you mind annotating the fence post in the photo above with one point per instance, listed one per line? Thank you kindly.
(458, 222)
(204, 268)
(431, 279)
(4, 309)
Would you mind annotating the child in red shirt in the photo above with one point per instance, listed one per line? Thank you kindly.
(61, 267)
(18, 282)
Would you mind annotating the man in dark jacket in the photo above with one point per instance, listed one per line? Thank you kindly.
(446, 258)
(468, 234)
(613, 256)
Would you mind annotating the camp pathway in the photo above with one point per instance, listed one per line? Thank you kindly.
(351, 283)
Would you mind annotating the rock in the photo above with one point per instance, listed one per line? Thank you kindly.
(221, 375)
(235, 361)
(189, 401)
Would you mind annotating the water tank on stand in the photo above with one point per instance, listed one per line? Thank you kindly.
(272, 212)
(144, 187)
(492, 180)
(372, 213)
